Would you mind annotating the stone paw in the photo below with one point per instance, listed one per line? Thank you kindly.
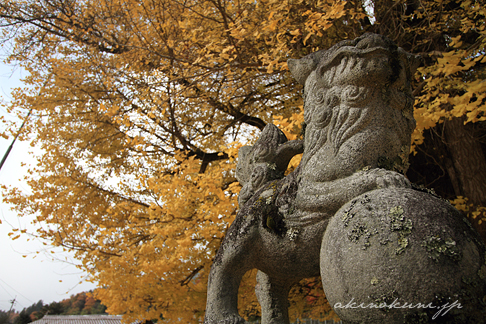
(389, 179)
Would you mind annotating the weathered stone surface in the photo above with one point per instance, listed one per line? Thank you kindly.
(389, 247)
(265, 161)
(358, 111)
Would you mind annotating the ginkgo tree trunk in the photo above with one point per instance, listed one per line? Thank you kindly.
(140, 108)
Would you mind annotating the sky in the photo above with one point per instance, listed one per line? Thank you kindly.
(25, 275)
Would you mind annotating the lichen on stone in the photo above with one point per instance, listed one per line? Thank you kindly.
(399, 222)
(292, 233)
(384, 241)
(482, 272)
(385, 299)
(430, 191)
(402, 244)
(347, 216)
(357, 231)
(366, 199)
(366, 168)
(269, 200)
(361, 231)
(402, 225)
(436, 246)
(272, 166)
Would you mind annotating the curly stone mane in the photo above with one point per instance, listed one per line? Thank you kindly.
(340, 87)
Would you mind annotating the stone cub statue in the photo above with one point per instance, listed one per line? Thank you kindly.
(265, 161)
(358, 111)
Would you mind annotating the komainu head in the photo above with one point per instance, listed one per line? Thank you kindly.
(368, 59)
(357, 86)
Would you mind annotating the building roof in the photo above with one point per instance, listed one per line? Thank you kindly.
(80, 319)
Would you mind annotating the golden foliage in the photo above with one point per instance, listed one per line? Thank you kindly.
(477, 213)
(140, 107)
(453, 85)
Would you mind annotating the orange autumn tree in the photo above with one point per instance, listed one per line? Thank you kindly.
(140, 107)
(137, 106)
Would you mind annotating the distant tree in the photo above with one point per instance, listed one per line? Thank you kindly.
(80, 304)
(88, 304)
(35, 315)
(92, 306)
(13, 316)
(37, 307)
(28, 314)
(4, 317)
(98, 308)
(66, 304)
(35, 310)
(54, 308)
(23, 318)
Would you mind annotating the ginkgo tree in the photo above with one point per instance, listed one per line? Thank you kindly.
(140, 107)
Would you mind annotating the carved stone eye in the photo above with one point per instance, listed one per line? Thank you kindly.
(322, 113)
(322, 116)
(355, 96)
(326, 100)
(320, 96)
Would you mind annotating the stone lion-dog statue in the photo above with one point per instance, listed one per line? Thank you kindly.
(358, 113)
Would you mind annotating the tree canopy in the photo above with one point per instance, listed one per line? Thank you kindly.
(140, 106)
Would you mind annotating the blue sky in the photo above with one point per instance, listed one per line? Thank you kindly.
(25, 275)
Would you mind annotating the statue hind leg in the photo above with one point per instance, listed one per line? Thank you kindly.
(272, 295)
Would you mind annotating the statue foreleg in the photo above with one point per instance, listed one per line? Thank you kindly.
(232, 261)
